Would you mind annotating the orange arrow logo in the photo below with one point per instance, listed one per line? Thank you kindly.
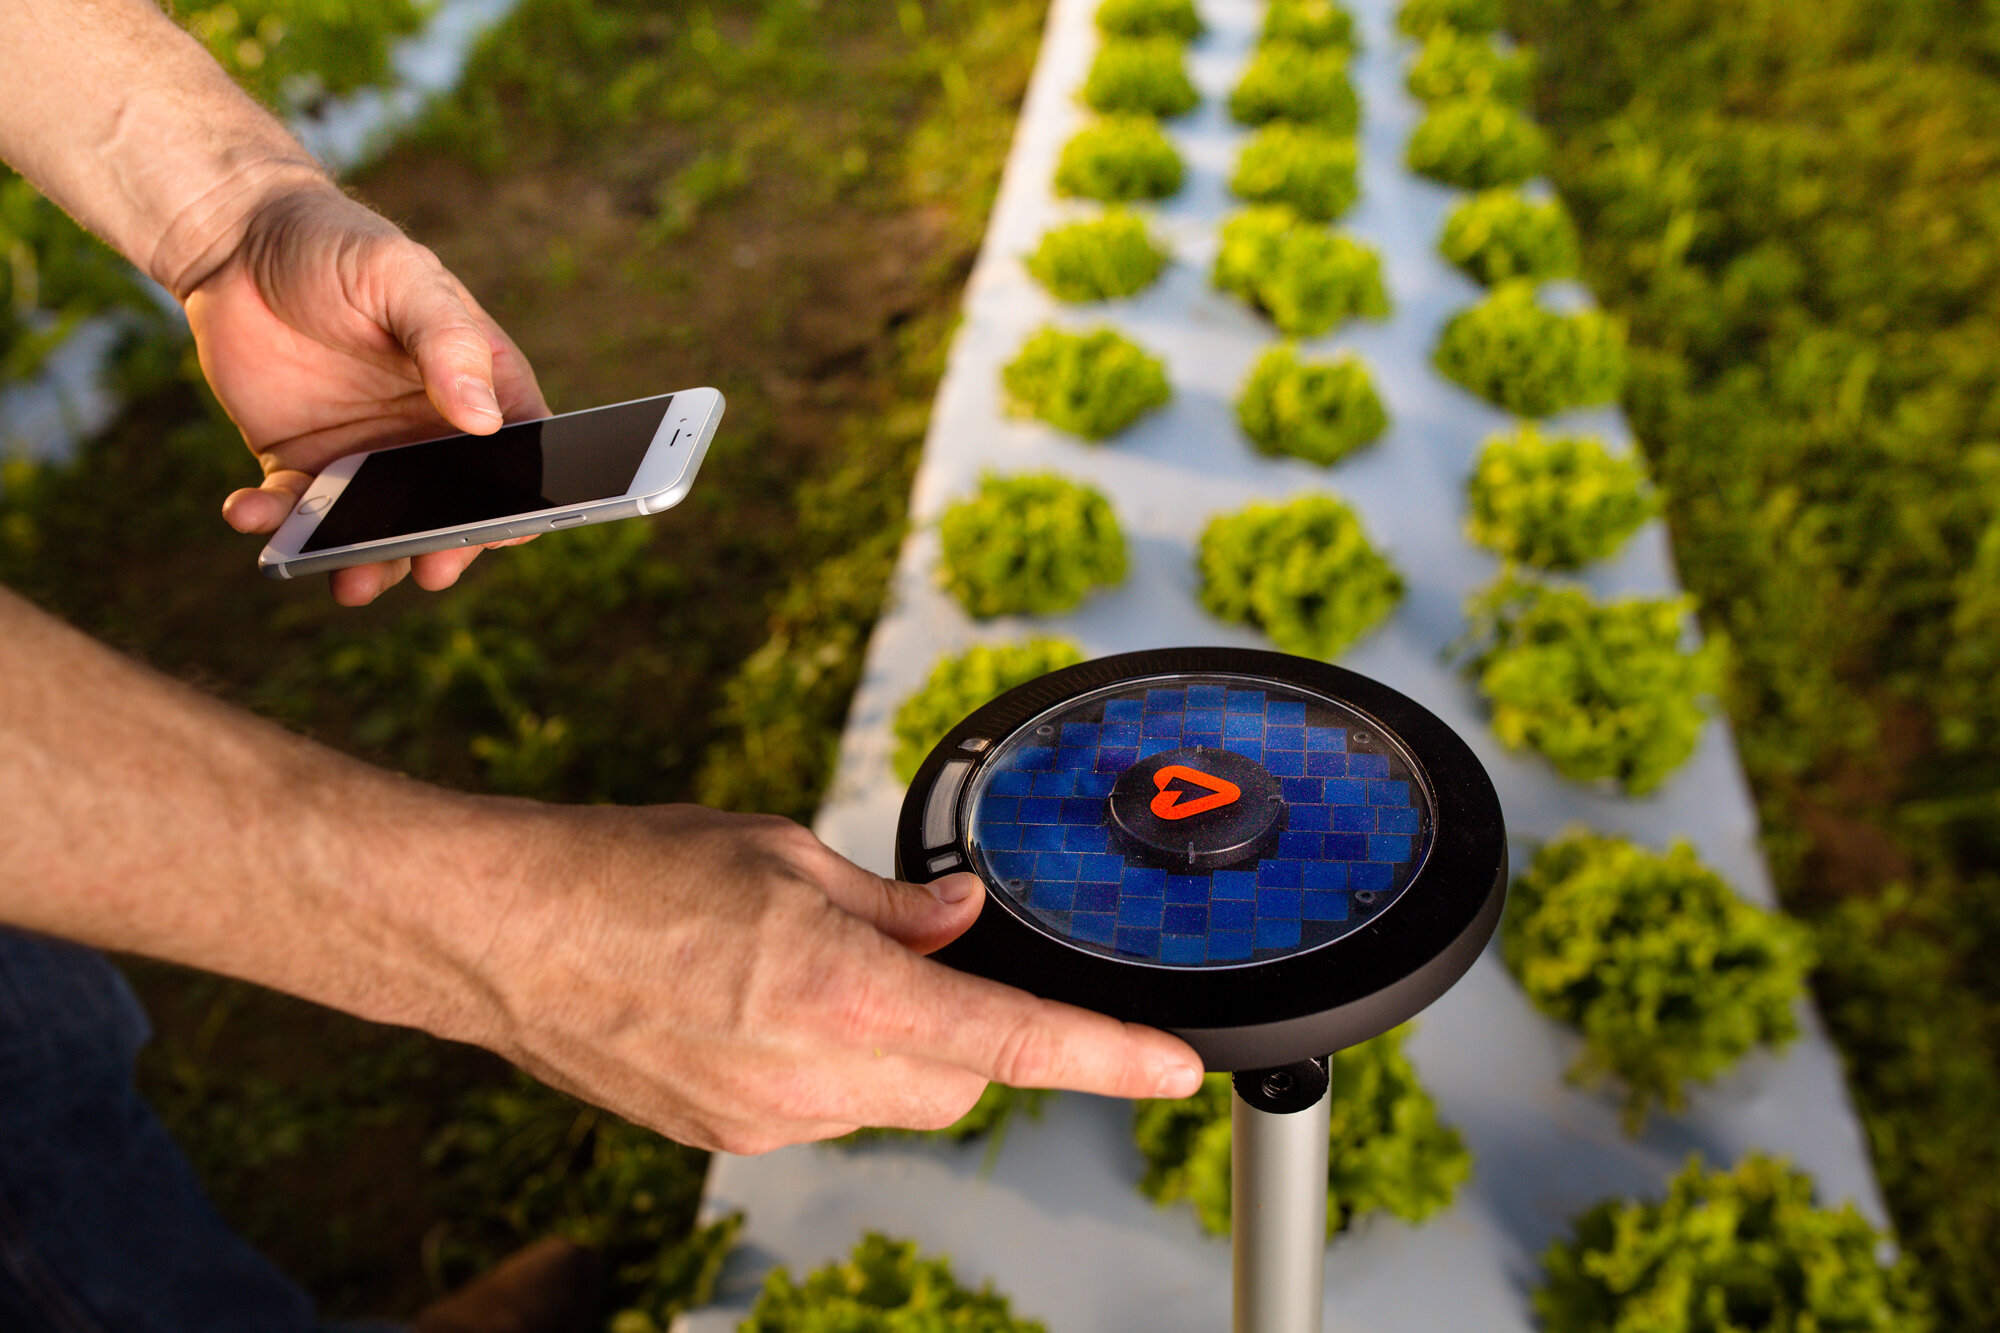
(1168, 804)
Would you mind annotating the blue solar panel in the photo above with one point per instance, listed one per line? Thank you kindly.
(1357, 825)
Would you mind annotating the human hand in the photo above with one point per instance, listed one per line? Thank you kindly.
(735, 984)
(326, 331)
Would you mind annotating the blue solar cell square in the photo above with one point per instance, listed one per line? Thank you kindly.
(1208, 740)
(1138, 943)
(1368, 765)
(1299, 844)
(1051, 896)
(1113, 734)
(1113, 762)
(1206, 696)
(1326, 763)
(1284, 738)
(1278, 875)
(1252, 750)
(1035, 758)
(1187, 888)
(1232, 884)
(1243, 726)
(1231, 914)
(1123, 710)
(1285, 763)
(1345, 791)
(1088, 838)
(1011, 782)
(1204, 719)
(1184, 918)
(1163, 724)
(1094, 927)
(1391, 847)
(1097, 898)
(1165, 701)
(999, 809)
(1353, 818)
(1388, 820)
(1279, 903)
(1302, 791)
(1228, 946)
(1142, 912)
(1325, 906)
(1325, 876)
(1143, 879)
(1371, 877)
(1042, 837)
(1001, 837)
(1327, 738)
(1041, 810)
(1388, 793)
(1245, 701)
(1100, 868)
(1274, 934)
(1347, 846)
(1285, 713)
(1184, 950)
(1096, 785)
(1313, 818)
(1013, 865)
(1082, 810)
(1073, 757)
(1079, 733)
(1055, 782)
(1056, 865)
(1158, 745)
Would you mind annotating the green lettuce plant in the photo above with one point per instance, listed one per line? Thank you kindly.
(1034, 544)
(1420, 18)
(1387, 1150)
(1309, 23)
(1499, 235)
(1144, 76)
(1476, 143)
(1320, 411)
(1309, 169)
(1304, 572)
(1556, 502)
(1288, 81)
(1120, 158)
(1728, 1252)
(884, 1287)
(959, 684)
(1602, 690)
(1306, 278)
(1098, 259)
(1092, 384)
(1458, 64)
(1533, 361)
(1670, 976)
(1149, 18)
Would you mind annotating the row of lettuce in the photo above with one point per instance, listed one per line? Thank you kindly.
(1670, 976)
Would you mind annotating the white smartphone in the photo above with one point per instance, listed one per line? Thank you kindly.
(466, 490)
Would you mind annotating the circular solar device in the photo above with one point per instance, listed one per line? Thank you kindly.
(1271, 857)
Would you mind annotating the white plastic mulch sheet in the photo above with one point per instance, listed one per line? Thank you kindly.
(1058, 1223)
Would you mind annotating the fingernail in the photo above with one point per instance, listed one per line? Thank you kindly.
(1178, 1079)
(953, 888)
(480, 395)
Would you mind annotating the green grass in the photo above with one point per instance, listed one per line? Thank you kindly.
(1795, 213)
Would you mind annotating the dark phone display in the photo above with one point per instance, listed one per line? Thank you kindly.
(479, 478)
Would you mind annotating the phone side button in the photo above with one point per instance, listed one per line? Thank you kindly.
(565, 520)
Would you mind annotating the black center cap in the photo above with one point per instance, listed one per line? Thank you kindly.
(1197, 809)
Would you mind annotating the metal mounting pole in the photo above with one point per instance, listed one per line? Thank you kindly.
(1277, 1159)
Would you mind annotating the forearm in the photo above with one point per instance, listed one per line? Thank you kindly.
(124, 120)
(139, 815)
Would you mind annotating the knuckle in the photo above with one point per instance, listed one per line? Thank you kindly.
(1027, 1053)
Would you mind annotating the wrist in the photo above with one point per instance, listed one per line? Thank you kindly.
(212, 225)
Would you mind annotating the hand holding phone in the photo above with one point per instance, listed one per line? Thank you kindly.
(468, 490)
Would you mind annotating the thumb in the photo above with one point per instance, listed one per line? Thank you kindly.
(922, 917)
(453, 355)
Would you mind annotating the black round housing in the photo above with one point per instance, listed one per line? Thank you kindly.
(1269, 856)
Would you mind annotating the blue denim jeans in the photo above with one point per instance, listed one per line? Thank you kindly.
(103, 1228)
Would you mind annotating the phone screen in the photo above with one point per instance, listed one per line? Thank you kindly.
(480, 478)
